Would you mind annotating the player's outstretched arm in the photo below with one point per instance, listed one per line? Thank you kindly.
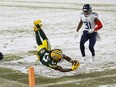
(75, 65)
(69, 59)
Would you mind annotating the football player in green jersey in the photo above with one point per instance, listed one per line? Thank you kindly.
(50, 57)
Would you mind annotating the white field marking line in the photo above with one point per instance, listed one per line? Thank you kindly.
(79, 80)
(13, 82)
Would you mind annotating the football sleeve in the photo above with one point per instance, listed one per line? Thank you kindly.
(99, 25)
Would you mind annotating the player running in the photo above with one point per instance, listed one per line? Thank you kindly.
(92, 25)
(50, 57)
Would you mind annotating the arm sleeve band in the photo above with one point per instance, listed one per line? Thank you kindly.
(99, 25)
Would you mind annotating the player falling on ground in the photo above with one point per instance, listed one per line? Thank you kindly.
(50, 57)
(92, 25)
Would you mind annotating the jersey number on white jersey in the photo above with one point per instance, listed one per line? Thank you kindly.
(87, 25)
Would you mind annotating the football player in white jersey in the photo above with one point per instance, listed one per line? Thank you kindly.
(92, 25)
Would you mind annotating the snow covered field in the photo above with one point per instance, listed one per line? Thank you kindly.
(60, 19)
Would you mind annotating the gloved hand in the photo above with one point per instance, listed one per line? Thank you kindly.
(73, 61)
(37, 23)
(75, 66)
(90, 31)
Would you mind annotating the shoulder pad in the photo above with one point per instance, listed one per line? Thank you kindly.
(81, 15)
(94, 13)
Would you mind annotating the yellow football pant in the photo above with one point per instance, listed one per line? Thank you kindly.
(45, 44)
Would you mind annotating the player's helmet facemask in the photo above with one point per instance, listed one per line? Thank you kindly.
(87, 9)
(56, 55)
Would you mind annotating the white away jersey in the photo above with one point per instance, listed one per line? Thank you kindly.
(89, 20)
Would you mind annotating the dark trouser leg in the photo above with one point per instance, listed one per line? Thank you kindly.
(84, 38)
(38, 40)
(42, 34)
(82, 48)
(92, 42)
(46, 43)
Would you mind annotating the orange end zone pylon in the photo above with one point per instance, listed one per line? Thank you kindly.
(31, 76)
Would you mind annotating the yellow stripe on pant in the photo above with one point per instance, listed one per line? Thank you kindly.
(45, 44)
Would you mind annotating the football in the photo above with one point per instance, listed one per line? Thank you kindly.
(1, 56)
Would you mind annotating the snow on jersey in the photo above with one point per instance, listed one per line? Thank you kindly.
(89, 20)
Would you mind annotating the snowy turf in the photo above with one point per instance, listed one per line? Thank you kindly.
(60, 19)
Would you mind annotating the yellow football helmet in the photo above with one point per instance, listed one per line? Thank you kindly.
(56, 54)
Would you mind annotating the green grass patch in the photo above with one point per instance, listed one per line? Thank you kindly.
(13, 75)
(17, 56)
(10, 57)
(87, 83)
(18, 76)
(32, 52)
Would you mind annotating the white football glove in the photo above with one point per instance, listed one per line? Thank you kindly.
(90, 31)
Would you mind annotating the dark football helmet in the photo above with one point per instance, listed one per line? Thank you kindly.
(87, 9)
(1, 56)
